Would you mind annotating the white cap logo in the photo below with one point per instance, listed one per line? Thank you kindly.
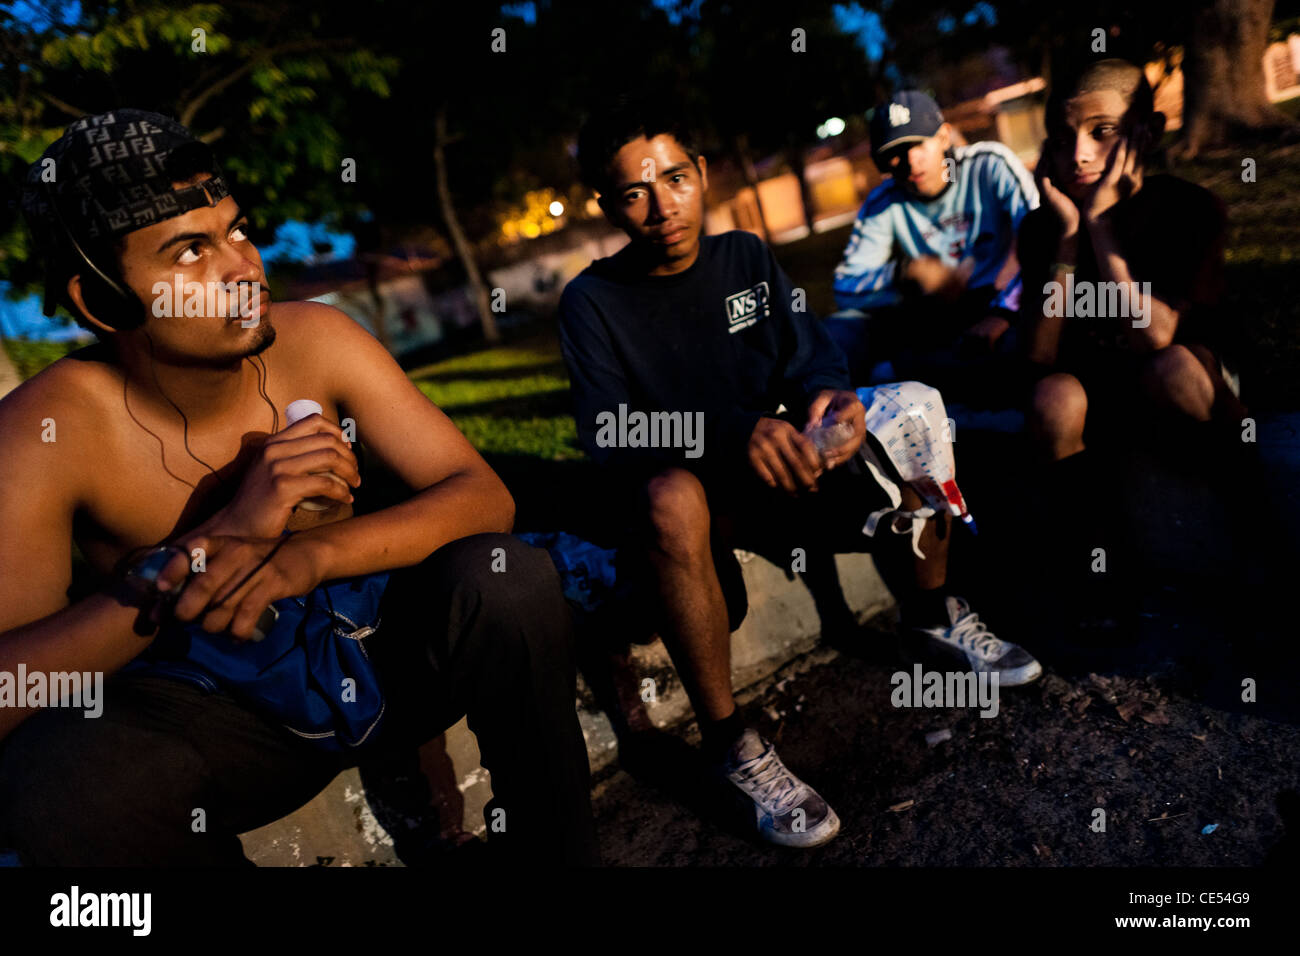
(899, 114)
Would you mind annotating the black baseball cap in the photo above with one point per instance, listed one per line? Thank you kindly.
(908, 117)
(111, 174)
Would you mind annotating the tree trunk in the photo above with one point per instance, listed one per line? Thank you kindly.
(1223, 75)
(478, 288)
(740, 149)
(794, 156)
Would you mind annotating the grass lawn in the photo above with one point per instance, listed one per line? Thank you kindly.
(29, 356)
(509, 400)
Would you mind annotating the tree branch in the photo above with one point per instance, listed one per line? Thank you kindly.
(187, 113)
(62, 106)
(205, 77)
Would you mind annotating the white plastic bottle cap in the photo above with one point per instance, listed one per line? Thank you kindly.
(296, 412)
(302, 408)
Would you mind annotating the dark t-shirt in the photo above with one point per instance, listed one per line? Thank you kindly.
(728, 338)
(1171, 233)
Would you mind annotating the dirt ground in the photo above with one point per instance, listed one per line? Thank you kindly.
(1153, 730)
(1018, 789)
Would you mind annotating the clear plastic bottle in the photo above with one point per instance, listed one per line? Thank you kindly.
(829, 434)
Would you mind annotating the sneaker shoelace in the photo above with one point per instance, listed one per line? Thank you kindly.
(774, 787)
(971, 632)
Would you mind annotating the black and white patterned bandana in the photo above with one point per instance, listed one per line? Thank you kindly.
(108, 175)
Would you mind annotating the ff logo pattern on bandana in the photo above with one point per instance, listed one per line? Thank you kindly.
(111, 177)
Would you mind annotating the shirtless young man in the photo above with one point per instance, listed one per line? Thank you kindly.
(169, 430)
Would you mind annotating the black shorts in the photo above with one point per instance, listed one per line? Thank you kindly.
(1112, 380)
(746, 514)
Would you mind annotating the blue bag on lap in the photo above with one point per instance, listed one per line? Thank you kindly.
(310, 673)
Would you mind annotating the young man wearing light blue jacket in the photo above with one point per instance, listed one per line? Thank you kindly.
(929, 280)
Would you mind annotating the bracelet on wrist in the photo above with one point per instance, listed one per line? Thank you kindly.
(133, 582)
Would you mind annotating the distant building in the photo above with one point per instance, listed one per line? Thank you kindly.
(838, 180)
(388, 296)
(1282, 69)
(407, 301)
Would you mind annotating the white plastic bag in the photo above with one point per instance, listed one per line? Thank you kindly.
(910, 423)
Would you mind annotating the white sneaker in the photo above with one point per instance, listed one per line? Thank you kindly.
(968, 639)
(787, 811)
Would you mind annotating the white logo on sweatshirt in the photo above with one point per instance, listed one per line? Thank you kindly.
(745, 308)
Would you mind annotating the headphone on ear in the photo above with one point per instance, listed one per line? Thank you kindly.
(106, 298)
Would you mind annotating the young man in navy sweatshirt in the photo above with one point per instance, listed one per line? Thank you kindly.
(682, 348)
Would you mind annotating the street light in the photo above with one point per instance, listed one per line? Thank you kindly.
(556, 208)
(832, 127)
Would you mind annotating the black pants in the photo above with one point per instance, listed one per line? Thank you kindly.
(457, 637)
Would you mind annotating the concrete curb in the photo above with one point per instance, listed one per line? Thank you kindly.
(340, 826)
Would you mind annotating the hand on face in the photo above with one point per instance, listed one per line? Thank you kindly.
(1119, 180)
(1093, 157)
(1061, 204)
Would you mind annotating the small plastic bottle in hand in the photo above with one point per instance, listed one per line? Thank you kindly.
(828, 434)
(296, 412)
